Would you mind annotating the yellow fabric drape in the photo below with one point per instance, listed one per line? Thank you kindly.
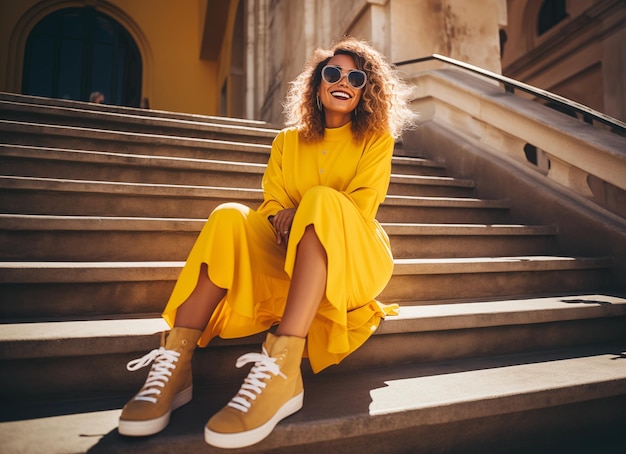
(336, 185)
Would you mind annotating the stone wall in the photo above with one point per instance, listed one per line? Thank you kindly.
(582, 58)
(283, 33)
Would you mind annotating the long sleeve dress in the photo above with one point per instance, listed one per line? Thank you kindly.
(336, 185)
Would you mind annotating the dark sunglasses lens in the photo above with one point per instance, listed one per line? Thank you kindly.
(331, 74)
(356, 79)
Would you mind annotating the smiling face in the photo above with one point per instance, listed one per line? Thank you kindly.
(339, 99)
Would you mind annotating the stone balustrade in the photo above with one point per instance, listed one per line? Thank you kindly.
(591, 161)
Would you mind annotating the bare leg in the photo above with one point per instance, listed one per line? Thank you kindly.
(196, 311)
(307, 288)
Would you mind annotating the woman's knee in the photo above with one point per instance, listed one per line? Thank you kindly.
(319, 200)
(319, 197)
(320, 192)
(230, 212)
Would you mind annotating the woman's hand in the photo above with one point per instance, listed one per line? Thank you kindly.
(282, 224)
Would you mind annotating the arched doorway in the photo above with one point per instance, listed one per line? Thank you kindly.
(75, 51)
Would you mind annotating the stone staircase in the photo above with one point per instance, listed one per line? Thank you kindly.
(504, 343)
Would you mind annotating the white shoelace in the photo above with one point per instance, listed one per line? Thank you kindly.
(164, 363)
(253, 385)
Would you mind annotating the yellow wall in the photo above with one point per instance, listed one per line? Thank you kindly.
(167, 33)
(224, 68)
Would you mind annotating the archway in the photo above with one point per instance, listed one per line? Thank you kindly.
(73, 52)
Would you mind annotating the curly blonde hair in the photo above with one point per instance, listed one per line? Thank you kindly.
(384, 105)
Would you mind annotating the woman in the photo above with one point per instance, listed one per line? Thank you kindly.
(310, 259)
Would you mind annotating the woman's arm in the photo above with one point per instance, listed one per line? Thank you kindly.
(277, 206)
(275, 197)
(368, 188)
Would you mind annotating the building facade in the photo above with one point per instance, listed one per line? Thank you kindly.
(574, 48)
(237, 57)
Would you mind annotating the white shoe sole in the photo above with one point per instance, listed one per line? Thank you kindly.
(250, 437)
(152, 426)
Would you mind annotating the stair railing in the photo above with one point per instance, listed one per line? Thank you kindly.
(510, 85)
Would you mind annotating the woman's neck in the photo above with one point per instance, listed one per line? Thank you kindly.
(334, 120)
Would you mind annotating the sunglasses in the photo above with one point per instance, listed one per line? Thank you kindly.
(355, 77)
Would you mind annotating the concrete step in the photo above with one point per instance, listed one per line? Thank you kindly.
(41, 162)
(28, 195)
(90, 238)
(33, 134)
(18, 160)
(122, 110)
(469, 240)
(31, 195)
(482, 277)
(81, 288)
(430, 186)
(85, 117)
(411, 165)
(89, 139)
(532, 402)
(426, 333)
(77, 289)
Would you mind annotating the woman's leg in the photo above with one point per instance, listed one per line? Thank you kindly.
(305, 292)
(196, 311)
(169, 384)
(307, 286)
(274, 389)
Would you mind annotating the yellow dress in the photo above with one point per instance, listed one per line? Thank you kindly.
(336, 185)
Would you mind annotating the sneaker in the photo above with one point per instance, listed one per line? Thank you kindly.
(272, 391)
(168, 386)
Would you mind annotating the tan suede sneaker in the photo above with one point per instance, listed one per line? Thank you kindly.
(168, 386)
(272, 391)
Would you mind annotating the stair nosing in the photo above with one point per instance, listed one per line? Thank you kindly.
(472, 265)
(36, 151)
(416, 161)
(159, 189)
(110, 108)
(127, 188)
(34, 222)
(93, 272)
(503, 312)
(128, 159)
(134, 137)
(428, 180)
(152, 121)
(451, 202)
